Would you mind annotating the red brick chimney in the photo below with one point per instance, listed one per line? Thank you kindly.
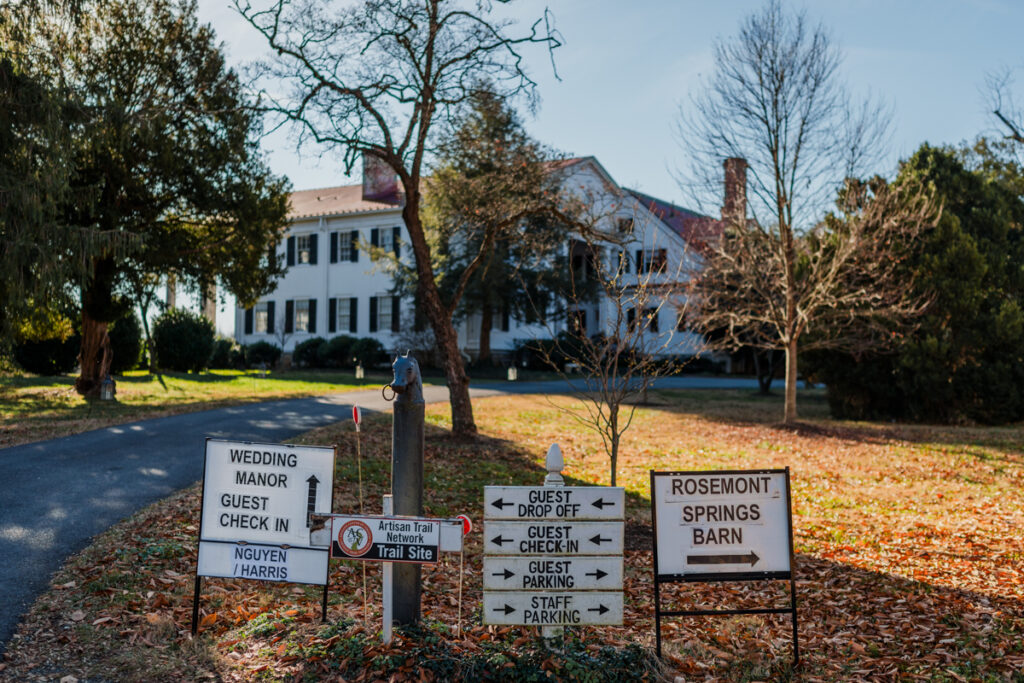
(734, 204)
(379, 180)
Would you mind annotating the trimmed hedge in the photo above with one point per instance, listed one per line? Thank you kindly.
(306, 354)
(260, 352)
(337, 352)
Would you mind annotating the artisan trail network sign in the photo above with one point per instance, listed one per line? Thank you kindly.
(386, 539)
(257, 502)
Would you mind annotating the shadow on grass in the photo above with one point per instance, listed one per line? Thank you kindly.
(747, 407)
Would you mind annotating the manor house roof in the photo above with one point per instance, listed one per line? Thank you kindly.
(331, 201)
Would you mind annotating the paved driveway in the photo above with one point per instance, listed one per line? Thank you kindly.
(58, 494)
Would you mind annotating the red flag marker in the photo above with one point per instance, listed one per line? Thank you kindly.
(467, 524)
(357, 416)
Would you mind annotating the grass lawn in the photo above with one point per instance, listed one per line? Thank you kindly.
(36, 408)
(909, 540)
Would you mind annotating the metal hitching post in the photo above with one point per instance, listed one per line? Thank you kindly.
(407, 476)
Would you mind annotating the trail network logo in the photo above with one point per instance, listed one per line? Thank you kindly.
(355, 538)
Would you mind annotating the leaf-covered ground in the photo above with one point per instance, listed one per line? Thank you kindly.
(909, 539)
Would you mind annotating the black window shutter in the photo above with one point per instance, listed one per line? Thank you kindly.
(653, 321)
(312, 313)
(354, 241)
(291, 250)
(375, 237)
(334, 247)
(631, 317)
(289, 314)
(270, 317)
(395, 233)
(639, 262)
(353, 313)
(504, 316)
(332, 313)
(394, 314)
(312, 248)
(248, 321)
(373, 314)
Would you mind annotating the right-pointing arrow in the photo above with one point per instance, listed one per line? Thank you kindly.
(600, 609)
(505, 573)
(751, 558)
(597, 574)
(507, 609)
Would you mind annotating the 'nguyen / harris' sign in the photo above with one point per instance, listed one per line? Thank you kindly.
(257, 502)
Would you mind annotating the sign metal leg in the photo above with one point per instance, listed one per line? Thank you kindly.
(195, 605)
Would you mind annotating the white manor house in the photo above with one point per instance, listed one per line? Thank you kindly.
(333, 287)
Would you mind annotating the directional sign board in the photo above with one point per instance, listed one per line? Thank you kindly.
(257, 502)
(386, 539)
(553, 555)
(554, 502)
(552, 573)
(553, 537)
(721, 523)
(591, 608)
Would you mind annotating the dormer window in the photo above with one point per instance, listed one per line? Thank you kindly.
(625, 225)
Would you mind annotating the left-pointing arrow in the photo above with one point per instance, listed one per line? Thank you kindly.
(500, 540)
(311, 501)
(500, 503)
(599, 539)
(601, 503)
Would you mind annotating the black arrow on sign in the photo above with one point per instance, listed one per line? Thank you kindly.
(506, 609)
(750, 558)
(599, 539)
(601, 503)
(600, 609)
(311, 501)
(499, 539)
(501, 504)
(505, 573)
(597, 574)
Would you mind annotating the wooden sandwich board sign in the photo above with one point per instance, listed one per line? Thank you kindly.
(257, 504)
(722, 525)
(553, 553)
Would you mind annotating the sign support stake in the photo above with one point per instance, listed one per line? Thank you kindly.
(357, 416)
(388, 597)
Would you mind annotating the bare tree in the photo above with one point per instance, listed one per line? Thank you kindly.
(1003, 104)
(776, 100)
(613, 361)
(372, 79)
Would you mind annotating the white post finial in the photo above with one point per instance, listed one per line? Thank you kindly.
(554, 464)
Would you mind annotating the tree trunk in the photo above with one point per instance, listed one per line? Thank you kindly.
(764, 375)
(95, 357)
(440, 319)
(486, 325)
(613, 423)
(790, 412)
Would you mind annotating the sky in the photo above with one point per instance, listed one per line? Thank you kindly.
(626, 68)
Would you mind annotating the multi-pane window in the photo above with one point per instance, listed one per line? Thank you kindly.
(384, 312)
(386, 239)
(624, 262)
(303, 248)
(260, 318)
(648, 320)
(302, 315)
(625, 225)
(652, 261)
(344, 314)
(345, 246)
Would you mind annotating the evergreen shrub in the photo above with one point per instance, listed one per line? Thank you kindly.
(337, 352)
(184, 340)
(261, 352)
(306, 353)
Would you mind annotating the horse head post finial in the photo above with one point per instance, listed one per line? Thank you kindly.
(407, 382)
